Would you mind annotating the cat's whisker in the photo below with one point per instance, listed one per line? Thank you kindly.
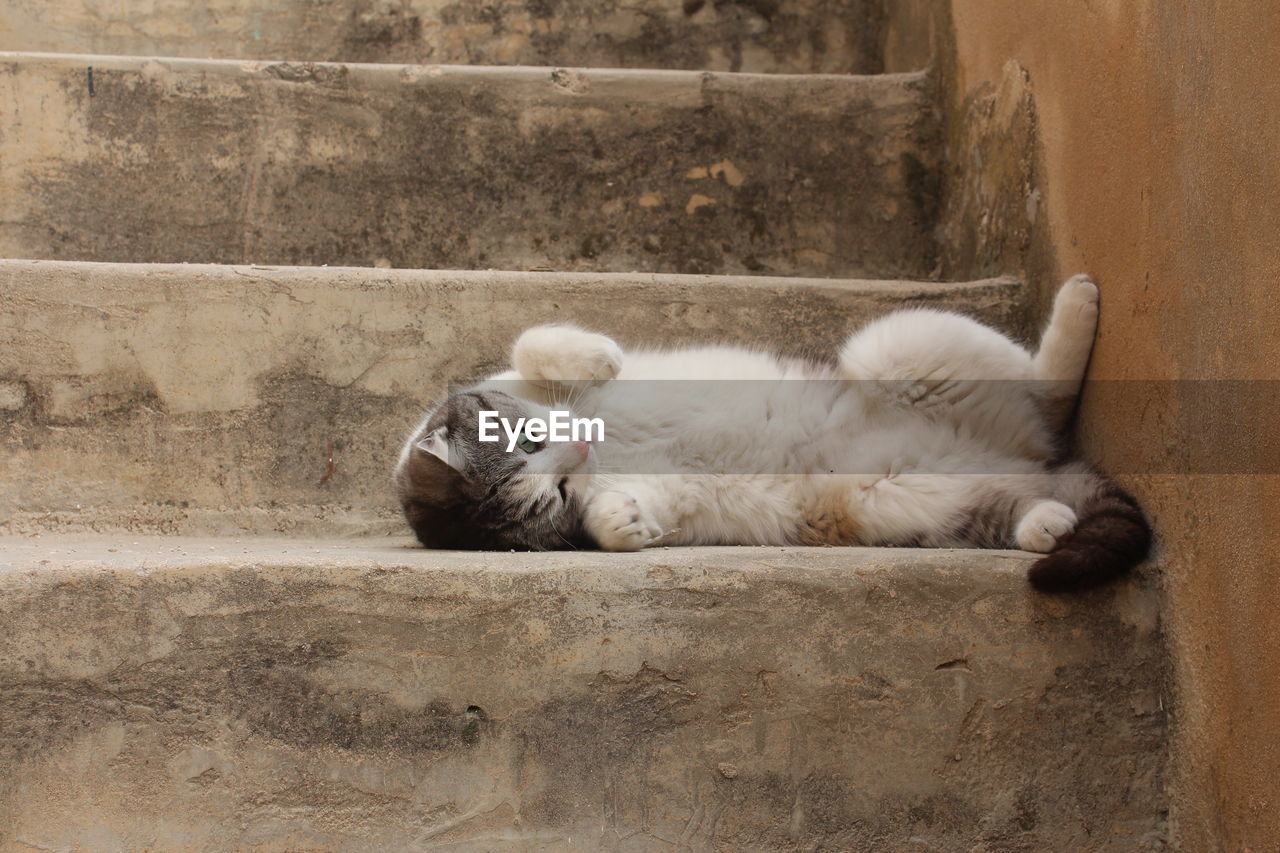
(572, 547)
(579, 390)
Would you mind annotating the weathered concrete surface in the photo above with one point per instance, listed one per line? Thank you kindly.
(992, 204)
(796, 36)
(991, 217)
(1159, 170)
(465, 168)
(206, 398)
(284, 695)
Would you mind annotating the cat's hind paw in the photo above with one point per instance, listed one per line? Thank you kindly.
(1077, 301)
(1044, 525)
(616, 522)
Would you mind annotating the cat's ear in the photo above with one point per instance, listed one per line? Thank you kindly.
(436, 443)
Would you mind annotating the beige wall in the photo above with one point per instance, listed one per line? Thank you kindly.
(1159, 162)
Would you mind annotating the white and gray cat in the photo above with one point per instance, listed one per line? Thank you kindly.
(929, 429)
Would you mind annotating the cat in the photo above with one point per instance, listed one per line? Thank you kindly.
(929, 430)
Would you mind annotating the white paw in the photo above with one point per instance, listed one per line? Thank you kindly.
(1078, 298)
(1042, 527)
(599, 361)
(617, 523)
(566, 354)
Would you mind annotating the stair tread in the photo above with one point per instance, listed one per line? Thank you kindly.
(595, 32)
(860, 685)
(57, 552)
(465, 167)
(205, 398)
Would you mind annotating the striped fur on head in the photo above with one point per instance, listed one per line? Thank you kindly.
(481, 497)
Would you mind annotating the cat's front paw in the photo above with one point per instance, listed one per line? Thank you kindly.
(616, 522)
(566, 354)
(1044, 525)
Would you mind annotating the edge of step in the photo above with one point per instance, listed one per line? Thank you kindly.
(567, 79)
(919, 574)
(903, 289)
(48, 555)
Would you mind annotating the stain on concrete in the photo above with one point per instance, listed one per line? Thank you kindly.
(14, 396)
(375, 34)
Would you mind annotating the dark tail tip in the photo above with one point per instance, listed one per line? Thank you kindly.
(1105, 546)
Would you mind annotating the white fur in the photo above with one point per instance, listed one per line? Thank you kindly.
(1065, 346)
(617, 523)
(1042, 527)
(545, 355)
(943, 410)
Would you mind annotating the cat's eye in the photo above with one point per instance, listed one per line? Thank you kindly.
(528, 445)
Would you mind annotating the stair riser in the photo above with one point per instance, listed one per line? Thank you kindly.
(212, 389)
(801, 36)
(492, 704)
(417, 167)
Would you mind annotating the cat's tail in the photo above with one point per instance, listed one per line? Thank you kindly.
(1111, 537)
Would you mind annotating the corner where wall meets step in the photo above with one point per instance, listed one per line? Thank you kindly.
(431, 167)
(191, 398)
(275, 694)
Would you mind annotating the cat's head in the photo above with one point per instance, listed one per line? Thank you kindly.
(460, 492)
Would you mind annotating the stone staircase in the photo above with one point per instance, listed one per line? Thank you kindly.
(236, 279)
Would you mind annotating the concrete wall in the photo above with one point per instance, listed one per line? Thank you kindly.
(1158, 171)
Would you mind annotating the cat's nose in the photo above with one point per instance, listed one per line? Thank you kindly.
(583, 448)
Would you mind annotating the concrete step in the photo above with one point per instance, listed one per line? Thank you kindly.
(192, 398)
(143, 160)
(271, 694)
(799, 36)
